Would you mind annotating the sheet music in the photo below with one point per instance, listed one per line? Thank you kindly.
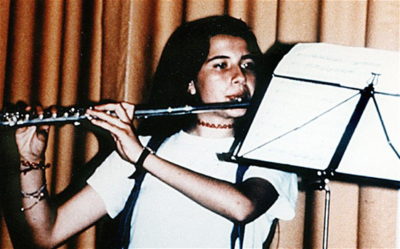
(285, 108)
(300, 123)
(347, 66)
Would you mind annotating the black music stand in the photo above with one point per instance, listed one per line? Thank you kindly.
(331, 112)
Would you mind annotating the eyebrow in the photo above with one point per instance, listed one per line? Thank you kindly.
(249, 56)
(217, 57)
(246, 56)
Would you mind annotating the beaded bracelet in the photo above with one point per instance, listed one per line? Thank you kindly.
(33, 166)
(38, 195)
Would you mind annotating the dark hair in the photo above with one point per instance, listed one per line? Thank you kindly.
(183, 56)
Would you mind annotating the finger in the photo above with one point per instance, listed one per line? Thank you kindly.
(119, 109)
(100, 115)
(114, 137)
(39, 110)
(129, 109)
(22, 130)
(106, 107)
(122, 113)
(114, 129)
(121, 119)
(42, 132)
(45, 128)
(98, 110)
(53, 110)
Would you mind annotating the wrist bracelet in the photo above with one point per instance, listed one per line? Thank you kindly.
(28, 166)
(38, 195)
(139, 164)
(146, 151)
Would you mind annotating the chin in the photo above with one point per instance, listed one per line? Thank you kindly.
(235, 113)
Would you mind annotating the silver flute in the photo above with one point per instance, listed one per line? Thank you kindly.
(77, 114)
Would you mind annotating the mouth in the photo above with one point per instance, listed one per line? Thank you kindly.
(239, 98)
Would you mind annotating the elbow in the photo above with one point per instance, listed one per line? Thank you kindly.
(40, 244)
(249, 209)
(43, 243)
(243, 212)
(45, 240)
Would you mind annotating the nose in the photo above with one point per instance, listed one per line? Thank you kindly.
(238, 77)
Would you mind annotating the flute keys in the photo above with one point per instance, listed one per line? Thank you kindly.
(12, 119)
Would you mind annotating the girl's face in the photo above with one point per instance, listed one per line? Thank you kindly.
(228, 74)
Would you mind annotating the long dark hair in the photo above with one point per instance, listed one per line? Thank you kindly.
(183, 56)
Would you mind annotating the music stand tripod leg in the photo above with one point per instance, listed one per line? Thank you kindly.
(326, 213)
(322, 184)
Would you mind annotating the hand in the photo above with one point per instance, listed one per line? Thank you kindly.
(32, 140)
(120, 126)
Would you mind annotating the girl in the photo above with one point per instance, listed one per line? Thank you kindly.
(188, 198)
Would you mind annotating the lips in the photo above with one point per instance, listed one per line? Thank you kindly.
(242, 97)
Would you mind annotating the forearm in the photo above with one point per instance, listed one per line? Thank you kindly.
(222, 197)
(38, 210)
(52, 225)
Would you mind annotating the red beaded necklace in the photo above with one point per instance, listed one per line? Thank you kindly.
(214, 126)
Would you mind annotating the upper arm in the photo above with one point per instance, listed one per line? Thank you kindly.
(78, 213)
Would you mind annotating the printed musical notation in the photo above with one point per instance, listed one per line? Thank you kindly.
(347, 66)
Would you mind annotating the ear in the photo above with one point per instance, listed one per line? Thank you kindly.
(191, 88)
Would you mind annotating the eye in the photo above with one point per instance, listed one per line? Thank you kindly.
(248, 65)
(221, 65)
